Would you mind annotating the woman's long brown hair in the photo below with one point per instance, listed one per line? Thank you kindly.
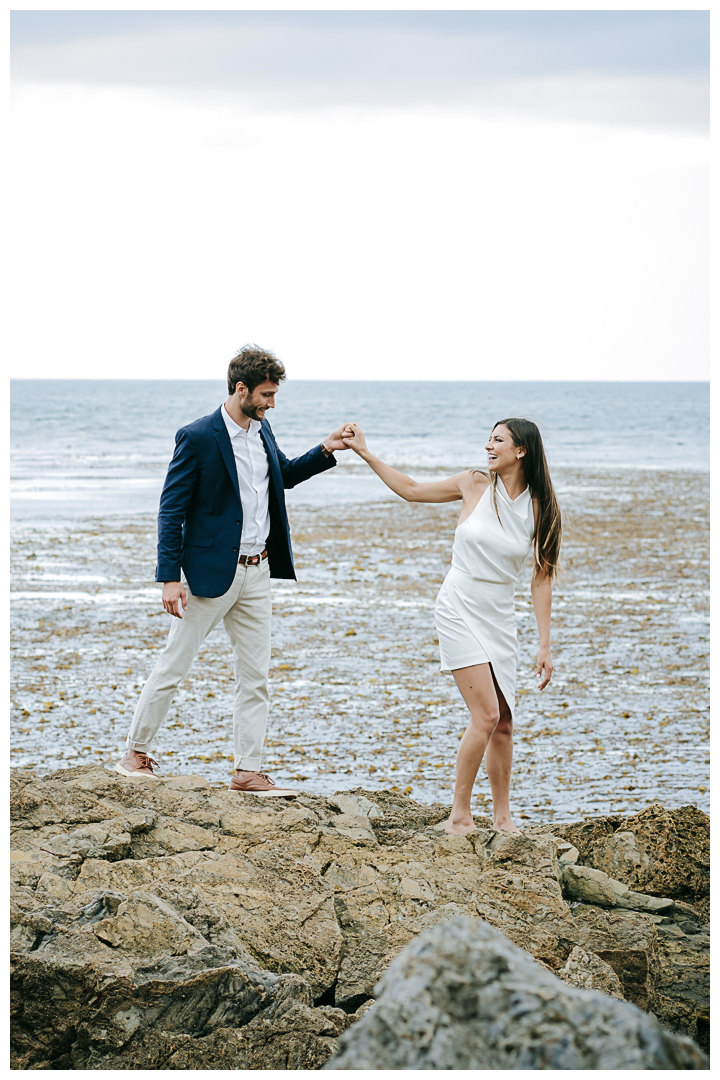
(548, 531)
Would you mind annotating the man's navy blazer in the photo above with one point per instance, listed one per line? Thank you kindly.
(200, 518)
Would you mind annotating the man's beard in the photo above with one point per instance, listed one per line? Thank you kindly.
(251, 409)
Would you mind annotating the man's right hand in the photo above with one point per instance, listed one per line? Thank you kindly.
(173, 595)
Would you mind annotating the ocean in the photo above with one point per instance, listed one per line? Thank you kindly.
(101, 447)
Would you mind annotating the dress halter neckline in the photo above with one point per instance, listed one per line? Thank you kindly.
(505, 492)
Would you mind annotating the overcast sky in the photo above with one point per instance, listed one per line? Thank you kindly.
(477, 194)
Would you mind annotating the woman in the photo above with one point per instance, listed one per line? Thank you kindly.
(505, 514)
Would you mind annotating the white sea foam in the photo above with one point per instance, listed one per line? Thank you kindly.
(139, 596)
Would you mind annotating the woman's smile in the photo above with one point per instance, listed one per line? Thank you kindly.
(501, 449)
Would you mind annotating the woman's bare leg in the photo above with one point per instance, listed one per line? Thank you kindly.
(498, 762)
(477, 686)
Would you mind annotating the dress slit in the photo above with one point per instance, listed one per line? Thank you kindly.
(475, 608)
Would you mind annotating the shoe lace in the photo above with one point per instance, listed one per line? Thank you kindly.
(264, 776)
(146, 762)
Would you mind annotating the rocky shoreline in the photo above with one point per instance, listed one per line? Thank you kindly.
(169, 924)
(357, 699)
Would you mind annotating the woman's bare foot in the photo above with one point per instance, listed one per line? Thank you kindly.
(504, 825)
(460, 825)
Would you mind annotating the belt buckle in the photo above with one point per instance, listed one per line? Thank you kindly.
(253, 560)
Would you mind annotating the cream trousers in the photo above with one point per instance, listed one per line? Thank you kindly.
(246, 610)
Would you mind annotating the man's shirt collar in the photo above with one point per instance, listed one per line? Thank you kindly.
(235, 429)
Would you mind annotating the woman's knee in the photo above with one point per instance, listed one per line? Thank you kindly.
(505, 724)
(486, 719)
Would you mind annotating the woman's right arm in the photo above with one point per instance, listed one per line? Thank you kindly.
(450, 490)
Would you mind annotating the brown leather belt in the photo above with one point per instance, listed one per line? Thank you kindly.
(252, 560)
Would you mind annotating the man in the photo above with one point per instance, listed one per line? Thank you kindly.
(223, 522)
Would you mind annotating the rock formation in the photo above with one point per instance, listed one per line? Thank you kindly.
(461, 996)
(171, 924)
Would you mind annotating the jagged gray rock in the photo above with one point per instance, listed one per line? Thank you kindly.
(566, 854)
(461, 996)
(597, 887)
(588, 972)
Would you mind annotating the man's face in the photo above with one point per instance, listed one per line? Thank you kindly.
(258, 400)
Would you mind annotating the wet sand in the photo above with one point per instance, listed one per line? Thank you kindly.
(357, 696)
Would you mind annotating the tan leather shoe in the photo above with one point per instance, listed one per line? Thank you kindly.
(257, 783)
(136, 764)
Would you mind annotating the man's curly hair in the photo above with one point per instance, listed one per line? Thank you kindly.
(252, 365)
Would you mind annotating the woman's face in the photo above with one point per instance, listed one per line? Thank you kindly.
(502, 451)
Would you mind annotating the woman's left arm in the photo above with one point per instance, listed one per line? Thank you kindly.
(541, 589)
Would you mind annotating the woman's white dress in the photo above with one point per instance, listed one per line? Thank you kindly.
(475, 608)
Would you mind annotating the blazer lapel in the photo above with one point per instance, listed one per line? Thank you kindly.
(226, 450)
(273, 464)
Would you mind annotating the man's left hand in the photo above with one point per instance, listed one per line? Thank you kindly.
(334, 440)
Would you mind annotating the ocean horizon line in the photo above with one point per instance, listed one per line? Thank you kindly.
(489, 382)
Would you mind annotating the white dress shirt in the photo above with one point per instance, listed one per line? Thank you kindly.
(253, 480)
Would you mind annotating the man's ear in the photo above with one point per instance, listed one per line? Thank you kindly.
(240, 386)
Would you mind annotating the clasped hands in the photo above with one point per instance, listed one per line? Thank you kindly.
(346, 436)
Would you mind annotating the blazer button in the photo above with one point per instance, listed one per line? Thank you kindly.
(234, 549)
(238, 522)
